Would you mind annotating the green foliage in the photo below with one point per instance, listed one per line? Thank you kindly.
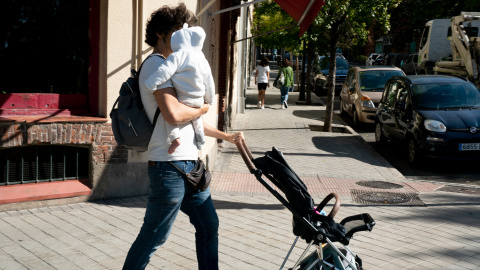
(268, 16)
(351, 18)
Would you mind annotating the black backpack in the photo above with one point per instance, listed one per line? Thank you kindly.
(130, 124)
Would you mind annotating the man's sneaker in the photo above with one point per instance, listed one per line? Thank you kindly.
(259, 104)
(283, 107)
(285, 103)
(263, 107)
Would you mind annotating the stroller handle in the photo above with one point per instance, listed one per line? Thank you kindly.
(245, 153)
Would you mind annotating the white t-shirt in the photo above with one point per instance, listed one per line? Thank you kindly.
(262, 74)
(158, 146)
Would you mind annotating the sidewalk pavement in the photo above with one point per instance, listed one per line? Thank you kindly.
(419, 226)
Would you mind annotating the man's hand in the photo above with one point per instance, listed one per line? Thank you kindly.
(204, 109)
(235, 136)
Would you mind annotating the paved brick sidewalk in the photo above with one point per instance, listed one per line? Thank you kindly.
(255, 233)
(438, 231)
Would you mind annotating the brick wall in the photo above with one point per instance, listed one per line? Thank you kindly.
(97, 135)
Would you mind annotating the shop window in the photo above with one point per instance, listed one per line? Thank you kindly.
(48, 52)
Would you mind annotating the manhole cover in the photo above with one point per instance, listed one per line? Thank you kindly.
(385, 198)
(379, 184)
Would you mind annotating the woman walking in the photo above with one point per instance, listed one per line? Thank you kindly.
(263, 74)
(287, 86)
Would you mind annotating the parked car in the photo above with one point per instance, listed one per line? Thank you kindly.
(372, 58)
(380, 60)
(410, 66)
(322, 72)
(395, 59)
(363, 90)
(435, 116)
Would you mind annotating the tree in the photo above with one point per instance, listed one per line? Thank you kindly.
(269, 17)
(342, 23)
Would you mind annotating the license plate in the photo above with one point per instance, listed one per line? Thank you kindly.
(469, 146)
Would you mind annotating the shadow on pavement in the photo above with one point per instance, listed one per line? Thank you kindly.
(347, 147)
(237, 205)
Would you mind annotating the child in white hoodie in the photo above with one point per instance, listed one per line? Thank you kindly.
(191, 76)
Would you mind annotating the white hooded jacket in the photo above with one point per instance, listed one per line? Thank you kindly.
(187, 68)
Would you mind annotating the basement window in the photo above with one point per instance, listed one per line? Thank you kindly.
(43, 163)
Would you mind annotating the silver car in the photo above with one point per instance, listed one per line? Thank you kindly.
(362, 91)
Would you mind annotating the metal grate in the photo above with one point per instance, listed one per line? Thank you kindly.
(33, 164)
(386, 198)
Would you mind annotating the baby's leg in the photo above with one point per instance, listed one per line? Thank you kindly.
(199, 132)
(173, 146)
(173, 138)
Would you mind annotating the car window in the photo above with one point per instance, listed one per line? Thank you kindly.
(349, 79)
(374, 80)
(391, 94)
(436, 96)
(325, 63)
(402, 92)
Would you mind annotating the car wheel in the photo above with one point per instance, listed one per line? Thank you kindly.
(342, 110)
(356, 122)
(318, 88)
(413, 153)
(379, 137)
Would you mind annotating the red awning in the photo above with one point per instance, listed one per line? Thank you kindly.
(302, 11)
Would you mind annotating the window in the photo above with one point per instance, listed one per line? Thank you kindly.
(424, 38)
(374, 80)
(391, 93)
(46, 54)
(34, 164)
(350, 78)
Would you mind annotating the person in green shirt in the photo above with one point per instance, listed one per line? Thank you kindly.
(287, 86)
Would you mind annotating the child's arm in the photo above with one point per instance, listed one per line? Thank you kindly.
(209, 89)
(209, 84)
(163, 73)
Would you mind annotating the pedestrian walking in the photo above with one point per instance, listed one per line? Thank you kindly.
(170, 191)
(262, 78)
(287, 85)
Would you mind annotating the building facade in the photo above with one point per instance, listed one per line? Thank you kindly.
(64, 64)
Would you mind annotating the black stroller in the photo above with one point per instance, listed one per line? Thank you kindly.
(309, 222)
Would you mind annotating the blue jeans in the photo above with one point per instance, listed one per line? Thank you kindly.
(284, 93)
(169, 193)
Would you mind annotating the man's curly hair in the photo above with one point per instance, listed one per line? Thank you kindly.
(166, 19)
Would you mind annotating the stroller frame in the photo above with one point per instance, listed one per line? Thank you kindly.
(324, 245)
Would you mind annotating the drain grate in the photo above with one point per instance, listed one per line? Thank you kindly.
(379, 184)
(386, 198)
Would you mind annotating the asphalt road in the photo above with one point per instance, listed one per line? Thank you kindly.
(458, 172)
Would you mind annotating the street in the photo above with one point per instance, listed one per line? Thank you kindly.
(458, 172)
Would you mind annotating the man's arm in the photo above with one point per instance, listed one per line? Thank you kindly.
(173, 111)
(215, 133)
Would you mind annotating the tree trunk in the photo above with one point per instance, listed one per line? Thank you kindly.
(327, 126)
(309, 71)
(296, 70)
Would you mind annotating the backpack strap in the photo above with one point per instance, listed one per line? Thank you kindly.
(137, 74)
(157, 113)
